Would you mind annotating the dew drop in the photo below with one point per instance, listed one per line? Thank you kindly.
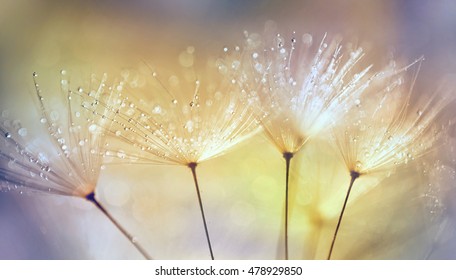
(174, 101)
(419, 113)
(255, 55)
(8, 135)
(121, 154)
(189, 126)
(81, 143)
(157, 110)
(22, 132)
(357, 102)
(35, 74)
(63, 72)
(92, 127)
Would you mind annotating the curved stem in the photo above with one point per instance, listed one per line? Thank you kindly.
(193, 168)
(287, 157)
(354, 175)
(91, 197)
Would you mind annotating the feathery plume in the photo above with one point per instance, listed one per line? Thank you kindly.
(299, 90)
(392, 128)
(184, 117)
(68, 160)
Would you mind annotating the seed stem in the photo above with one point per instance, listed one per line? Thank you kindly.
(192, 166)
(91, 197)
(287, 157)
(354, 175)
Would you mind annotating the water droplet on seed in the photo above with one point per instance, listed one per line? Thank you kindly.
(22, 132)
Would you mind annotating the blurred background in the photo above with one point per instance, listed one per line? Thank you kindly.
(404, 217)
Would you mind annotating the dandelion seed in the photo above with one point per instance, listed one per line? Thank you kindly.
(394, 133)
(68, 162)
(298, 91)
(196, 115)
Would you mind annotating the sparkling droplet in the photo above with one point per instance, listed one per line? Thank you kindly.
(8, 135)
(157, 110)
(22, 132)
(92, 127)
(35, 74)
(255, 55)
(174, 101)
(121, 154)
(63, 72)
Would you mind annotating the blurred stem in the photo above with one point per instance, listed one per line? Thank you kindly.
(91, 197)
(287, 157)
(354, 175)
(192, 166)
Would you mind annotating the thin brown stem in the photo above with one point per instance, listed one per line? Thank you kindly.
(91, 197)
(193, 168)
(354, 175)
(287, 157)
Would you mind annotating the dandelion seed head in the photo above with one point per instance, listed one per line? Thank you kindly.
(395, 128)
(297, 89)
(196, 114)
(63, 159)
